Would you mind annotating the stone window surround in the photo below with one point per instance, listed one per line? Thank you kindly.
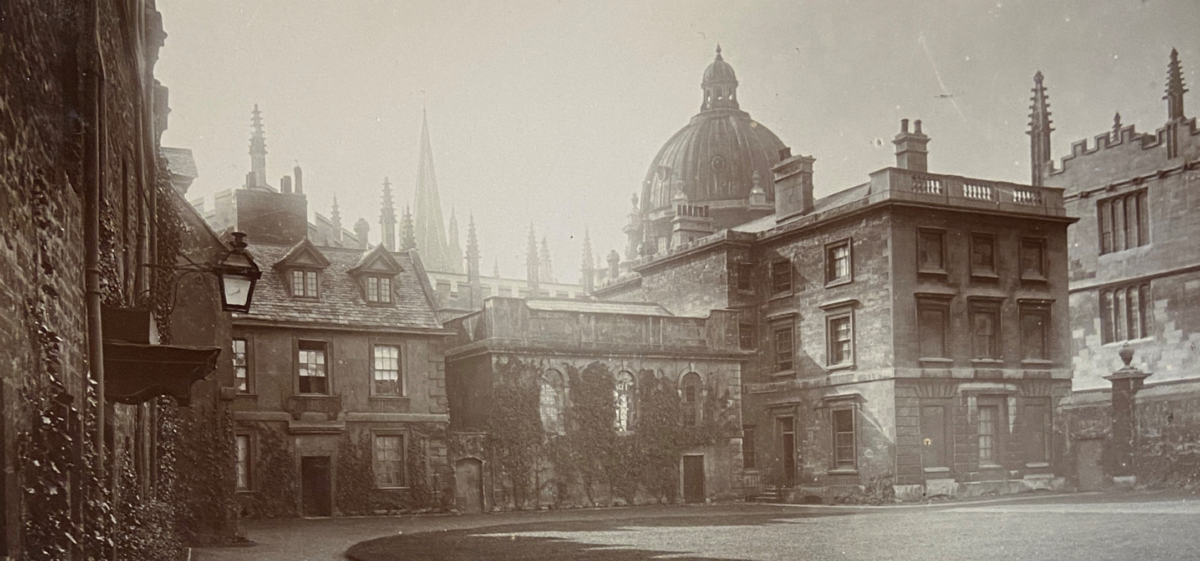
(940, 234)
(304, 272)
(988, 272)
(401, 355)
(248, 360)
(941, 302)
(1026, 245)
(251, 459)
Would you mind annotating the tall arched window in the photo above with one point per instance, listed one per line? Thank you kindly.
(693, 399)
(552, 402)
(623, 400)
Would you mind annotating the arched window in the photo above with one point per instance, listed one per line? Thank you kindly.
(693, 399)
(623, 394)
(552, 402)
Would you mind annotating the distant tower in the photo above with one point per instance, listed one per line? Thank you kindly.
(719, 85)
(258, 150)
(430, 229)
(532, 269)
(588, 280)
(633, 230)
(387, 217)
(336, 216)
(362, 230)
(454, 254)
(299, 175)
(1039, 133)
(1175, 88)
(407, 238)
(545, 270)
(473, 264)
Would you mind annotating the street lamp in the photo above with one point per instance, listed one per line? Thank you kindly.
(238, 274)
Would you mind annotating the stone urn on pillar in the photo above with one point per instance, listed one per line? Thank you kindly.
(1125, 384)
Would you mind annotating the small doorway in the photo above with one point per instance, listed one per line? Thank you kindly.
(933, 436)
(1088, 456)
(315, 492)
(468, 485)
(693, 479)
(787, 435)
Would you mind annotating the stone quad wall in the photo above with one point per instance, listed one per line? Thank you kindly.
(471, 378)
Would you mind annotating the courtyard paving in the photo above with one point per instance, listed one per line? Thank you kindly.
(1083, 526)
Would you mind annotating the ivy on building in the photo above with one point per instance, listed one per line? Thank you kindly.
(592, 459)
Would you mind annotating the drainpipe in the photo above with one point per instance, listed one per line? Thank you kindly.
(93, 105)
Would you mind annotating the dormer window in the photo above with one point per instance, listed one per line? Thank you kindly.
(379, 289)
(304, 283)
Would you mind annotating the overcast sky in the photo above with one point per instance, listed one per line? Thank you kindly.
(550, 112)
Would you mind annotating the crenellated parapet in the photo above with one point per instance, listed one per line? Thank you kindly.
(1127, 145)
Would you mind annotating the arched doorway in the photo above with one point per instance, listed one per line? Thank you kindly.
(468, 481)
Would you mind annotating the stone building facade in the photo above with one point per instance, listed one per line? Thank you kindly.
(909, 333)
(665, 391)
(1134, 282)
(92, 230)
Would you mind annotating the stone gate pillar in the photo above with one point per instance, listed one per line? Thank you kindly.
(1125, 384)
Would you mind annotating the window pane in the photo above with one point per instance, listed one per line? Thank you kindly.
(933, 332)
(372, 289)
(241, 378)
(843, 438)
(311, 366)
(983, 333)
(310, 284)
(783, 349)
(1032, 260)
(1106, 320)
(1132, 313)
(837, 262)
(1145, 313)
(1119, 242)
(744, 272)
(298, 283)
(1131, 214)
(748, 447)
(386, 370)
(746, 332)
(1106, 236)
(930, 251)
(389, 461)
(781, 276)
(1033, 335)
(988, 416)
(1119, 332)
(385, 289)
(983, 256)
(840, 342)
(243, 462)
(1143, 219)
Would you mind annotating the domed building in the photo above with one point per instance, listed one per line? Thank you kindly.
(717, 169)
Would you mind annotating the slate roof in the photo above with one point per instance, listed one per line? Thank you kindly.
(341, 302)
(180, 161)
(598, 307)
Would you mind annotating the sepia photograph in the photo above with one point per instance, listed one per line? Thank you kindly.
(607, 280)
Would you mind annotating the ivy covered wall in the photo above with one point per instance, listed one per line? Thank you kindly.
(533, 461)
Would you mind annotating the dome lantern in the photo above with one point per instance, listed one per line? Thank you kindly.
(719, 85)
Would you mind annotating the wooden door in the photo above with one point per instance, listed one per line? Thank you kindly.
(468, 485)
(1089, 470)
(934, 446)
(693, 479)
(315, 486)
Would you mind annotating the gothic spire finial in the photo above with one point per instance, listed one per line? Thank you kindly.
(1116, 130)
(1175, 87)
(387, 217)
(1039, 132)
(335, 215)
(258, 149)
(532, 267)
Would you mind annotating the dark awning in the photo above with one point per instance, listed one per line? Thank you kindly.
(135, 373)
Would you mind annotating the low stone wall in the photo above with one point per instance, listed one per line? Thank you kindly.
(1167, 449)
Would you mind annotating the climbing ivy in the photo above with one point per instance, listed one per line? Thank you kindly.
(592, 456)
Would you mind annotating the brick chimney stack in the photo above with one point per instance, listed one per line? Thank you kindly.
(285, 184)
(299, 179)
(793, 184)
(911, 151)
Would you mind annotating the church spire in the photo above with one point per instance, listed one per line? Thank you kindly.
(430, 229)
(545, 270)
(336, 216)
(387, 217)
(532, 269)
(588, 263)
(258, 150)
(473, 264)
(1175, 88)
(407, 239)
(1039, 133)
(454, 254)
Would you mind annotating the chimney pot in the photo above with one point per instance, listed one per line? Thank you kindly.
(911, 151)
(251, 180)
(917, 126)
(785, 153)
(903, 125)
(793, 186)
(299, 179)
(285, 184)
